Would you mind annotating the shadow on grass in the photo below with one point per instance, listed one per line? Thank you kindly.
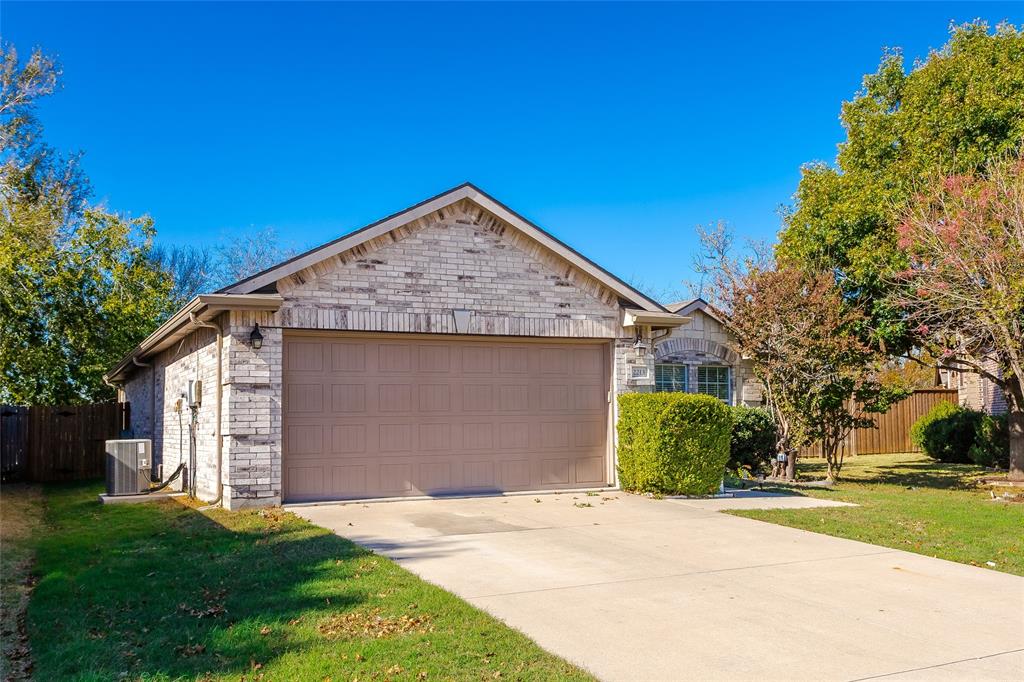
(160, 590)
(937, 475)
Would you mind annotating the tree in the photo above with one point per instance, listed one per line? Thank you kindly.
(802, 336)
(963, 289)
(78, 288)
(950, 114)
(194, 270)
(245, 255)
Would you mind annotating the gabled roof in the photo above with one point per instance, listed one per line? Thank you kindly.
(695, 304)
(464, 191)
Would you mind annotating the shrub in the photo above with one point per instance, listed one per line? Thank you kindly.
(672, 443)
(991, 442)
(946, 432)
(753, 439)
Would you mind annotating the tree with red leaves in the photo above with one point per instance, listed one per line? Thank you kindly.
(963, 292)
(820, 378)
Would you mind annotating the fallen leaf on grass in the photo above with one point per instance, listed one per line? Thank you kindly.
(212, 611)
(373, 624)
(265, 630)
(187, 650)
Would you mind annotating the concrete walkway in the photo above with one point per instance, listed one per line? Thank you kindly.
(632, 588)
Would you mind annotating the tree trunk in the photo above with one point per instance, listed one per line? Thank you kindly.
(791, 465)
(1015, 424)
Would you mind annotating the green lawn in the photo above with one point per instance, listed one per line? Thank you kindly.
(163, 591)
(913, 503)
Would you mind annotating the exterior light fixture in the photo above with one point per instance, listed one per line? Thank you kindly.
(640, 346)
(256, 338)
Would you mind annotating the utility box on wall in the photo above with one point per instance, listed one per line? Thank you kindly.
(129, 463)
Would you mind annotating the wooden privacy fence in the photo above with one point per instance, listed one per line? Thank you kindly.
(892, 431)
(46, 444)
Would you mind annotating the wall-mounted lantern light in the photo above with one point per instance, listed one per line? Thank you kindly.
(256, 338)
(640, 346)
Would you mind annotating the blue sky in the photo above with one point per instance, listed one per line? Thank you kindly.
(616, 127)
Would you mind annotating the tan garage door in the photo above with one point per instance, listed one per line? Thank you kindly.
(400, 415)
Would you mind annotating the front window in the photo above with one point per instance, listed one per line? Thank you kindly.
(714, 381)
(670, 378)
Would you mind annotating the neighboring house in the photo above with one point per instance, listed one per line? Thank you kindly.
(975, 391)
(451, 347)
(696, 358)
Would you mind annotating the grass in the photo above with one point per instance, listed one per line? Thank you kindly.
(914, 503)
(21, 511)
(161, 591)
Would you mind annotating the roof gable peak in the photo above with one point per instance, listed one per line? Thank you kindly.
(464, 192)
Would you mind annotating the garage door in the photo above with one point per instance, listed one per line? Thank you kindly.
(398, 415)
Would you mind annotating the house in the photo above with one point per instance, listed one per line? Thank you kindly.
(696, 358)
(976, 391)
(453, 347)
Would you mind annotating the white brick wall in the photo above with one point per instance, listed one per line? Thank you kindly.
(412, 278)
(195, 357)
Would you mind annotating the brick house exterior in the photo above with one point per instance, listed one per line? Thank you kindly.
(696, 357)
(975, 391)
(457, 266)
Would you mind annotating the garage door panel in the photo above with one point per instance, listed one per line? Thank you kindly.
(305, 439)
(305, 356)
(349, 480)
(348, 398)
(589, 469)
(554, 472)
(395, 478)
(305, 397)
(348, 357)
(434, 358)
(394, 397)
(435, 398)
(394, 357)
(477, 360)
(348, 439)
(385, 417)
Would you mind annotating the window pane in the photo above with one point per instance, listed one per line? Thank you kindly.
(714, 381)
(669, 378)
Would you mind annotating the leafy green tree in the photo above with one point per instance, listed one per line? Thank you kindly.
(950, 113)
(78, 288)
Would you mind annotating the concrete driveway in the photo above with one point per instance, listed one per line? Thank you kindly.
(637, 589)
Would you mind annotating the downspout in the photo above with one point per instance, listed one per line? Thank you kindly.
(219, 414)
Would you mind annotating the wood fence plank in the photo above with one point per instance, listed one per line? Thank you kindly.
(891, 433)
(64, 443)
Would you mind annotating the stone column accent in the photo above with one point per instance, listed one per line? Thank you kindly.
(252, 400)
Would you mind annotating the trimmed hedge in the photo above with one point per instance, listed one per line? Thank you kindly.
(753, 439)
(672, 443)
(946, 433)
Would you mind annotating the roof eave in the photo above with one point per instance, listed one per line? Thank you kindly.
(183, 322)
(653, 319)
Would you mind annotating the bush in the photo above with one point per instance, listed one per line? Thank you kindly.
(946, 432)
(753, 439)
(991, 442)
(672, 443)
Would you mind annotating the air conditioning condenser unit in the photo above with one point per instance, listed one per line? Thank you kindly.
(129, 463)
